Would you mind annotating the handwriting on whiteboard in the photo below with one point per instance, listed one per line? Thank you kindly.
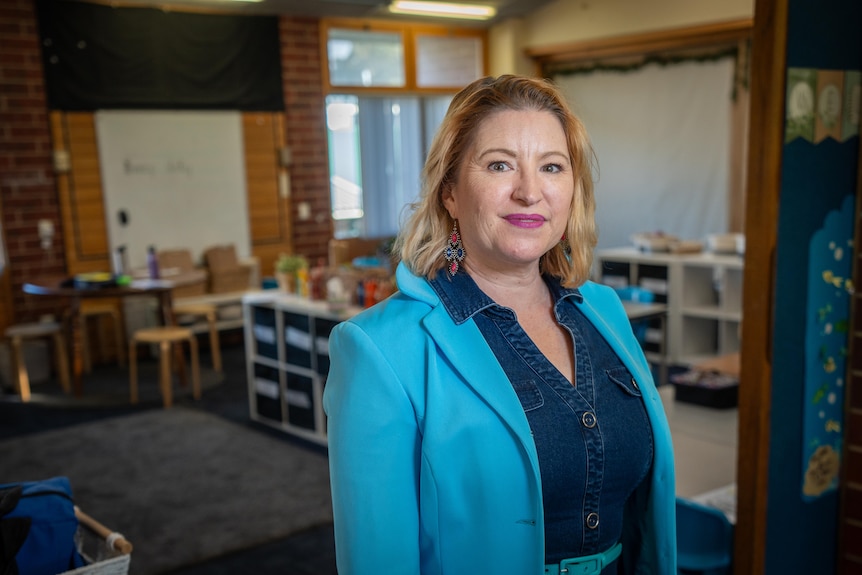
(152, 168)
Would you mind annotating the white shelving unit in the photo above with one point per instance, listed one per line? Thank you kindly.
(287, 351)
(703, 293)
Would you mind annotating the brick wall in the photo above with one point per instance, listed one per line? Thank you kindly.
(850, 538)
(27, 186)
(306, 133)
(28, 191)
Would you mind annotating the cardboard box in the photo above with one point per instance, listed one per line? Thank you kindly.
(177, 265)
(230, 281)
(727, 364)
(226, 273)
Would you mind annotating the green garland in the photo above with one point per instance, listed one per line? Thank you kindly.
(741, 71)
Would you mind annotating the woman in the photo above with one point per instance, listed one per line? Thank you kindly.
(497, 413)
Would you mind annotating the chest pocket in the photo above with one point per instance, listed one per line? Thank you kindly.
(528, 394)
(621, 377)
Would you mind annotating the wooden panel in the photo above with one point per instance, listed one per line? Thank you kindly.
(853, 533)
(739, 144)
(269, 212)
(768, 63)
(80, 189)
(850, 526)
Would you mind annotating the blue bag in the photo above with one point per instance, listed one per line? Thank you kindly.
(37, 528)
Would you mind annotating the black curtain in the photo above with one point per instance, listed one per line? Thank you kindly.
(101, 57)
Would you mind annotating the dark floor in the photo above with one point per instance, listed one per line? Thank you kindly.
(311, 552)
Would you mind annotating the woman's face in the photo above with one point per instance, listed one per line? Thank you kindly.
(513, 191)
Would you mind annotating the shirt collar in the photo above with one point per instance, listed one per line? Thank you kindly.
(463, 299)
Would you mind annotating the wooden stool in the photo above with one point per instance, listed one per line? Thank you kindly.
(165, 337)
(16, 335)
(96, 309)
(207, 311)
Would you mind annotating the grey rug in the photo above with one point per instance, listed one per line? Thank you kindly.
(182, 485)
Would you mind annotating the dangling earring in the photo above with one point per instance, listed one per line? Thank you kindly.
(564, 243)
(454, 251)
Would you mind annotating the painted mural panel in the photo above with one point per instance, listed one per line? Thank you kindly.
(830, 287)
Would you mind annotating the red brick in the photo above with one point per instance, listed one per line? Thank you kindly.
(17, 117)
(31, 102)
(852, 537)
(25, 73)
(853, 504)
(853, 466)
(20, 43)
(854, 429)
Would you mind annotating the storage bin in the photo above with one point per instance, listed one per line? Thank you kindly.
(710, 389)
(106, 552)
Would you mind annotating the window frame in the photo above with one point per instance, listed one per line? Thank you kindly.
(409, 32)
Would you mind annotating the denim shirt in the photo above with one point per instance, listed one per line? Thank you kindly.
(593, 438)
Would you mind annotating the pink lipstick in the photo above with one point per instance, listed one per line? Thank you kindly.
(525, 220)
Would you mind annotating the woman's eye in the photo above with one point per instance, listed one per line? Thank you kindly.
(498, 166)
(552, 168)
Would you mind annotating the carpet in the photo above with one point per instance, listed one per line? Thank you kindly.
(182, 485)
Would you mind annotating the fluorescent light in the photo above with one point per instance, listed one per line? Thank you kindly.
(445, 9)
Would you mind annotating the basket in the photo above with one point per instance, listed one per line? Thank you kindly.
(106, 552)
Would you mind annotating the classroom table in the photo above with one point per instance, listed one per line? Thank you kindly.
(64, 287)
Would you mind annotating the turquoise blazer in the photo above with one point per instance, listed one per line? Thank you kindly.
(432, 465)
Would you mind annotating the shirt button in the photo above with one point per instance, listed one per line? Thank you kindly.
(588, 419)
(593, 520)
(635, 384)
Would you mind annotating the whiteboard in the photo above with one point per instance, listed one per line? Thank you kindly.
(178, 176)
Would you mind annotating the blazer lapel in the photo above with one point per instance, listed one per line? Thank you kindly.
(612, 337)
(466, 349)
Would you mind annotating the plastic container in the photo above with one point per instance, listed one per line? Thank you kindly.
(152, 263)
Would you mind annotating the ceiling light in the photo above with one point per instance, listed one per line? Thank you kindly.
(444, 9)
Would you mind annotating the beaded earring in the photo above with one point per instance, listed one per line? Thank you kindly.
(454, 251)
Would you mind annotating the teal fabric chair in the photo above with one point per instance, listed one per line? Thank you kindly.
(704, 539)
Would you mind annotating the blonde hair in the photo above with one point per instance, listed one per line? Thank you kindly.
(423, 238)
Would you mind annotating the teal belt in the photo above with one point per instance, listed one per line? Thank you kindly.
(588, 565)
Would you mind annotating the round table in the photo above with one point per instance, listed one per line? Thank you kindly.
(65, 287)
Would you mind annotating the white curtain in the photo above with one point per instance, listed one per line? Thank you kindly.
(394, 136)
(661, 136)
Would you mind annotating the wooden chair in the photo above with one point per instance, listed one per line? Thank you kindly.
(208, 312)
(97, 309)
(16, 335)
(165, 337)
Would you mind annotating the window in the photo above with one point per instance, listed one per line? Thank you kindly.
(377, 57)
(388, 86)
(377, 147)
(447, 60)
(363, 58)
